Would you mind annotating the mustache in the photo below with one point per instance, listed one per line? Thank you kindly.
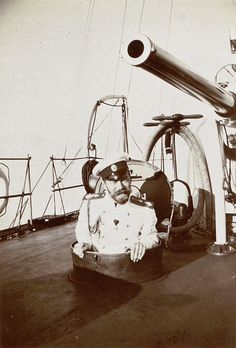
(120, 192)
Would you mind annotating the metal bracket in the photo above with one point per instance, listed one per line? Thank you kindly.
(221, 249)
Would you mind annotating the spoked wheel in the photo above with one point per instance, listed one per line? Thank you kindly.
(175, 150)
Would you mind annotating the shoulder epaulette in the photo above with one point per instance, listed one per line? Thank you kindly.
(141, 202)
(94, 195)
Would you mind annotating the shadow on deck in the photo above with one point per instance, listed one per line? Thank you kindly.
(193, 305)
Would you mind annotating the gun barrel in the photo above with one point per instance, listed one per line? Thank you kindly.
(142, 52)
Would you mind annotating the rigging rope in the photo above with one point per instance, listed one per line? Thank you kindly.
(169, 24)
(60, 177)
(44, 212)
(135, 141)
(41, 176)
(167, 46)
(56, 182)
(130, 79)
(131, 72)
(121, 38)
(106, 116)
(80, 64)
(139, 28)
(141, 17)
(109, 132)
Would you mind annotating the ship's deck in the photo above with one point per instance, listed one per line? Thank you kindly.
(194, 305)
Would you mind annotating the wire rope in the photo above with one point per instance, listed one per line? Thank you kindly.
(80, 64)
(113, 105)
(130, 79)
(17, 213)
(121, 38)
(47, 205)
(141, 16)
(106, 116)
(135, 142)
(57, 183)
(167, 46)
(66, 170)
(139, 28)
(109, 135)
(41, 176)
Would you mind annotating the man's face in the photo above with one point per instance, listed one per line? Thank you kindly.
(119, 189)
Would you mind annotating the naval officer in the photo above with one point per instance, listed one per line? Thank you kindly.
(116, 221)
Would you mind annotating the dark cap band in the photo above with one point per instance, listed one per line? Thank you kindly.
(114, 170)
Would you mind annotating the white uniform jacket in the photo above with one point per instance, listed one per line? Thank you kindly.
(113, 228)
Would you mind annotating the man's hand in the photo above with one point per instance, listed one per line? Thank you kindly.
(80, 248)
(137, 251)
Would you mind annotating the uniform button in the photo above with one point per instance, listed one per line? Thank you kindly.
(103, 247)
(126, 238)
(127, 225)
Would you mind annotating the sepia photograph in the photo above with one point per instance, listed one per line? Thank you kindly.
(118, 173)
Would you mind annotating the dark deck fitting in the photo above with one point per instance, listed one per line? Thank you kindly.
(194, 306)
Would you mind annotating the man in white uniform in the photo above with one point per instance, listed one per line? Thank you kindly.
(116, 221)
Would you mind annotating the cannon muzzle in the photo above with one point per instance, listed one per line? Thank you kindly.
(142, 52)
